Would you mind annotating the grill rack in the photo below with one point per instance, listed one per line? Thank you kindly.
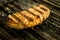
(55, 3)
(49, 30)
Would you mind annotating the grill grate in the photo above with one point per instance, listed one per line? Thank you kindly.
(49, 30)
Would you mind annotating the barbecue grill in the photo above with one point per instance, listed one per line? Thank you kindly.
(48, 30)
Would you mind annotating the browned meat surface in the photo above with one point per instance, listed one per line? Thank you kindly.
(28, 18)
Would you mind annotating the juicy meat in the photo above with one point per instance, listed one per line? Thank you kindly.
(43, 10)
(28, 18)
